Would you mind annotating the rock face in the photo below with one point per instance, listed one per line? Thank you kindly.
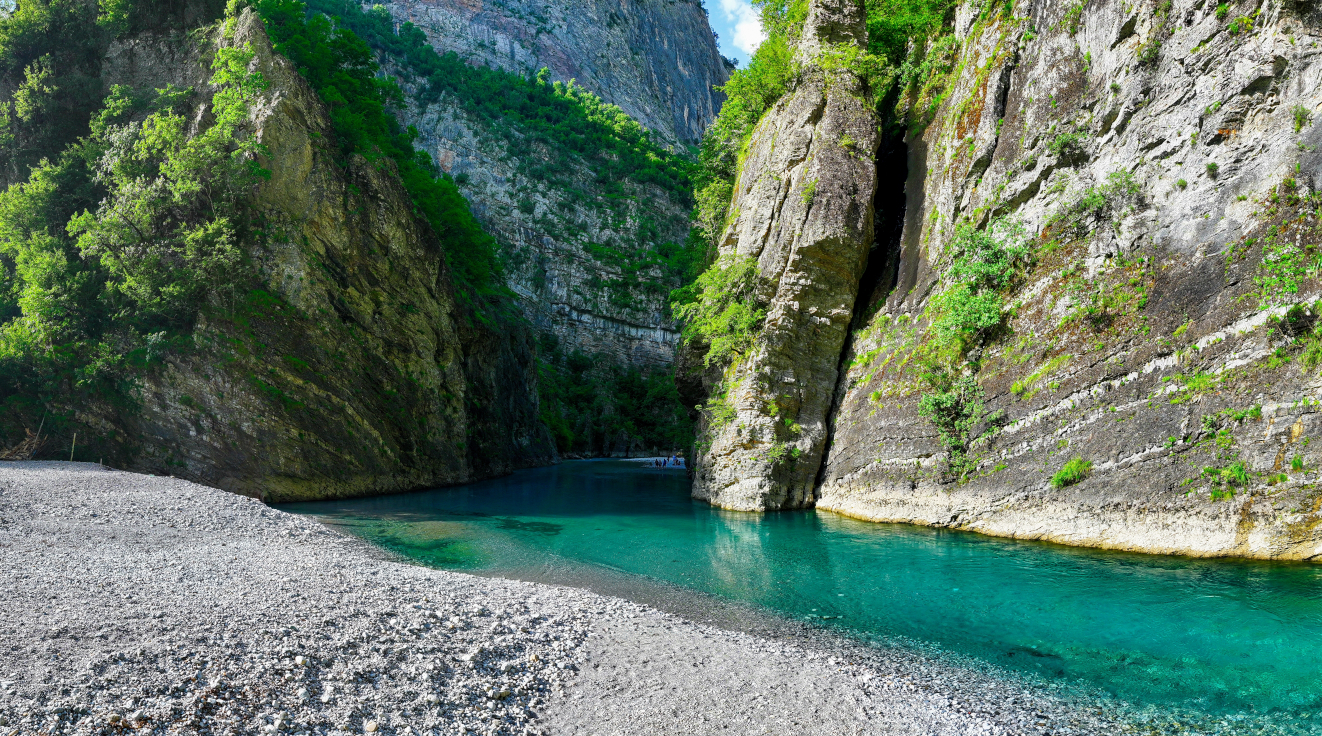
(605, 301)
(583, 262)
(1164, 159)
(656, 59)
(803, 209)
(357, 371)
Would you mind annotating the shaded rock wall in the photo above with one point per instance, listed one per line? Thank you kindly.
(356, 370)
(803, 209)
(1143, 339)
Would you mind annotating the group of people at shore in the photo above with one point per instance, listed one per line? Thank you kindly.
(674, 461)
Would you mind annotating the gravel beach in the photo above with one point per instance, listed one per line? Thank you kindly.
(141, 604)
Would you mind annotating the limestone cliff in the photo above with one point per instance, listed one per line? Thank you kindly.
(656, 59)
(803, 210)
(1163, 160)
(356, 370)
(585, 259)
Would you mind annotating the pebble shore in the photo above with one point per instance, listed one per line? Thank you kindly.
(141, 604)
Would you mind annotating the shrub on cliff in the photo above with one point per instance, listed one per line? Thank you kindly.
(110, 251)
(1071, 472)
(342, 68)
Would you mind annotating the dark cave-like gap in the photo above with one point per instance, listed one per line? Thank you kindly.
(883, 268)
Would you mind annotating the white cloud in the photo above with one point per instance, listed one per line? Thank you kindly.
(748, 34)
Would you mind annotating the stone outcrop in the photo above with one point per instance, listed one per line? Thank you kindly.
(1164, 160)
(656, 59)
(550, 241)
(357, 370)
(803, 209)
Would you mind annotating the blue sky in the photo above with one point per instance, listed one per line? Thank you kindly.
(735, 21)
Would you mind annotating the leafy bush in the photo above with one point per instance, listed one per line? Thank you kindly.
(1071, 472)
(982, 263)
(1301, 117)
(1212, 168)
(956, 407)
(1222, 11)
(721, 309)
(1068, 146)
(1149, 51)
(1242, 24)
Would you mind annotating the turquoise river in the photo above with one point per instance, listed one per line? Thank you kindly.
(1211, 636)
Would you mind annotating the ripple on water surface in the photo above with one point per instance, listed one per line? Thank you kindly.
(1218, 637)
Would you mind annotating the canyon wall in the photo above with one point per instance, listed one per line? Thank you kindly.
(357, 370)
(656, 59)
(1160, 162)
(588, 264)
(802, 210)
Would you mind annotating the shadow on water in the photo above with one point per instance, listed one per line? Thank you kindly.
(1219, 636)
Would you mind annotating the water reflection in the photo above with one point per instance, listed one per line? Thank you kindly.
(1218, 635)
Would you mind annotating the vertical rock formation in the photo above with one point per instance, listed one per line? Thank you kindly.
(1164, 158)
(803, 209)
(656, 59)
(583, 259)
(354, 369)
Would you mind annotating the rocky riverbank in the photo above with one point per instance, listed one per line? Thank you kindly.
(148, 604)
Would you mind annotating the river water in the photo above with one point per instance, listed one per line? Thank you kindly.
(1217, 637)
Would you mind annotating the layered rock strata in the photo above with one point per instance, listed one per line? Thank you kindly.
(1164, 160)
(803, 210)
(656, 59)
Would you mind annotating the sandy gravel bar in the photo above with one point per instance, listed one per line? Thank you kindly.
(140, 604)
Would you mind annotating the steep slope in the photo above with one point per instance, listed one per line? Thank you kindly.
(350, 367)
(1158, 163)
(656, 59)
(589, 206)
(802, 212)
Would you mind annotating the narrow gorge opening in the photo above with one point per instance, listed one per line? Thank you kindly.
(888, 203)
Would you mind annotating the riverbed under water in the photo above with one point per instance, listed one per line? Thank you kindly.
(1212, 636)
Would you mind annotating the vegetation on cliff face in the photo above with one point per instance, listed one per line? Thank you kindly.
(126, 222)
(342, 69)
(111, 250)
(538, 120)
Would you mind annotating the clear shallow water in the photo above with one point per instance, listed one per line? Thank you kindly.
(1214, 636)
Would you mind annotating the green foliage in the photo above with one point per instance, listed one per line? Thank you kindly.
(593, 406)
(1242, 24)
(1301, 117)
(1072, 18)
(1181, 183)
(1068, 145)
(111, 250)
(1297, 463)
(1225, 480)
(1212, 168)
(1071, 472)
(982, 263)
(891, 23)
(1149, 51)
(956, 407)
(1222, 11)
(721, 309)
(342, 69)
(167, 231)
